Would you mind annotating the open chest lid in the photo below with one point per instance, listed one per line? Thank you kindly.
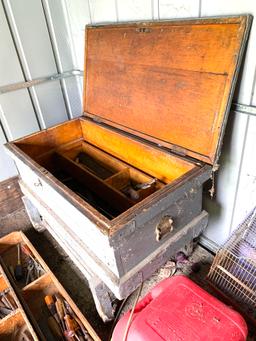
(170, 82)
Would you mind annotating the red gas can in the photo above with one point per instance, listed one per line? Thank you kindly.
(179, 310)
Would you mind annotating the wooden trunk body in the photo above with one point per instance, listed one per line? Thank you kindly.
(117, 245)
(156, 100)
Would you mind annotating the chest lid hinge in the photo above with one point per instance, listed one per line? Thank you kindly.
(179, 150)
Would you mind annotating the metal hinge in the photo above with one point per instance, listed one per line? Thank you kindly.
(96, 119)
(179, 150)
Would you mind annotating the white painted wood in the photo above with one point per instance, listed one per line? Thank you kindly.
(134, 10)
(7, 166)
(220, 208)
(89, 264)
(178, 8)
(74, 246)
(79, 225)
(103, 11)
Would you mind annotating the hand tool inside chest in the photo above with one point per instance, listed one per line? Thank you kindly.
(120, 188)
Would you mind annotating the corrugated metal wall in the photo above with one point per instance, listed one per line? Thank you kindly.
(43, 37)
(35, 42)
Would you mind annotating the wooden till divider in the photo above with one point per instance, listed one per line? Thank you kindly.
(103, 166)
(14, 323)
(98, 186)
(104, 175)
(31, 296)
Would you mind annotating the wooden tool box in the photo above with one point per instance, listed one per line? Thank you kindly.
(13, 322)
(120, 188)
(29, 298)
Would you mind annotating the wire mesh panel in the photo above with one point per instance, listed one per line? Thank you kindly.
(234, 267)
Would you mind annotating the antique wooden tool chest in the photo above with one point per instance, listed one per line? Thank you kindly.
(120, 188)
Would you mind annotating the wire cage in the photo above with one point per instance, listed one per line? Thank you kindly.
(233, 271)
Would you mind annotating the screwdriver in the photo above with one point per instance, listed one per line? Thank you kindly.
(76, 319)
(18, 271)
(69, 325)
(51, 306)
(55, 328)
(60, 311)
(25, 249)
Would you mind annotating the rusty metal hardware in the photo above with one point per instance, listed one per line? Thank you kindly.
(146, 185)
(143, 30)
(164, 227)
(131, 193)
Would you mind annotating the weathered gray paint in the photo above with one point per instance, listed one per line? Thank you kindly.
(21, 113)
(108, 261)
(90, 265)
(142, 241)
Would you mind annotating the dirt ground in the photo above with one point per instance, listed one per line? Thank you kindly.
(77, 286)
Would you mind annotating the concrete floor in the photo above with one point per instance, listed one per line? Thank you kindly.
(76, 284)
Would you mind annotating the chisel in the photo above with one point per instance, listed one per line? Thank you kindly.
(51, 306)
(55, 328)
(76, 319)
(70, 330)
(60, 311)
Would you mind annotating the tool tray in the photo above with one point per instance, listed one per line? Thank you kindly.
(29, 297)
(14, 321)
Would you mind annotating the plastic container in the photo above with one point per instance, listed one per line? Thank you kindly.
(179, 310)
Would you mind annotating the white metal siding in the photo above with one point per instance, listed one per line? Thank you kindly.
(54, 102)
(36, 41)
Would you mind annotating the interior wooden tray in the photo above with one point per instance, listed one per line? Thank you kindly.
(16, 321)
(32, 295)
(109, 170)
(10, 327)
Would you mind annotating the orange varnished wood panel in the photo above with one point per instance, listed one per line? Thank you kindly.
(69, 136)
(169, 81)
(42, 142)
(206, 47)
(192, 125)
(153, 161)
